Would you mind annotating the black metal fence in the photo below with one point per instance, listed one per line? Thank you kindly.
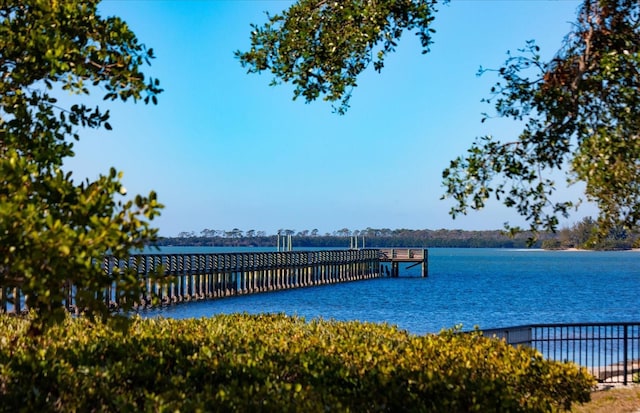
(610, 351)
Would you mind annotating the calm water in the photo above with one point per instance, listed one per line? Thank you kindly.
(484, 287)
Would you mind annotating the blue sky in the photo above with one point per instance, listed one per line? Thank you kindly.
(224, 150)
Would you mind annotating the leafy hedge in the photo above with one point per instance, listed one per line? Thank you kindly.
(273, 363)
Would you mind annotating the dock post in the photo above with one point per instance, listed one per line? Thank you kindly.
(425, 263)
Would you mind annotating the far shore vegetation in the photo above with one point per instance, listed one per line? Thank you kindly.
(578, 236)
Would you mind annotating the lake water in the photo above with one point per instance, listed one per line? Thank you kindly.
(488, 288)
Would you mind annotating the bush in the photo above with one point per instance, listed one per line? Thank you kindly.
(273, 363)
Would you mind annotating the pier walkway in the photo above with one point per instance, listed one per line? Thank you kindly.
(190, 277)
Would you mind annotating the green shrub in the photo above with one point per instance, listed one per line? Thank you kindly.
(273, 363)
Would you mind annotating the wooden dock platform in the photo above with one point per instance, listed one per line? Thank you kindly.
(396, 256)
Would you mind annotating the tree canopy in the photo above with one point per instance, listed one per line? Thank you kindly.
(322, 46)
(580, 110)
(581, 114)
(54, 231)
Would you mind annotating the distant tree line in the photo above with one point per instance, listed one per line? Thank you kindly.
(373, 237)
(582, 235)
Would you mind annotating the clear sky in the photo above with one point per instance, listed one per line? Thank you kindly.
(224, 150)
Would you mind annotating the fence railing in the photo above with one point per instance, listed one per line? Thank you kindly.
(610, 351)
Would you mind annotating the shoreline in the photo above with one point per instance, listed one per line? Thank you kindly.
(585, 250)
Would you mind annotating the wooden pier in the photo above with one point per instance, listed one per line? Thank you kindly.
(397, 256)
(203, 276)
(191, 277)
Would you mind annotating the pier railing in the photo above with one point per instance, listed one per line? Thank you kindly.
(610, 351)
(189, 277)
(396, 256)
(403, 254)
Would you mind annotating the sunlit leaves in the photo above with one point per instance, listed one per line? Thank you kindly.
(267, 362)
(581, 116)
(322, 46)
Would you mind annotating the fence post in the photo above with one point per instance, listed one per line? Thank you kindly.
(625, 349)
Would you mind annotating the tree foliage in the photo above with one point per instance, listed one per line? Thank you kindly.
(579, 110)
(581, 115)
(322, 46)
(53, 230)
